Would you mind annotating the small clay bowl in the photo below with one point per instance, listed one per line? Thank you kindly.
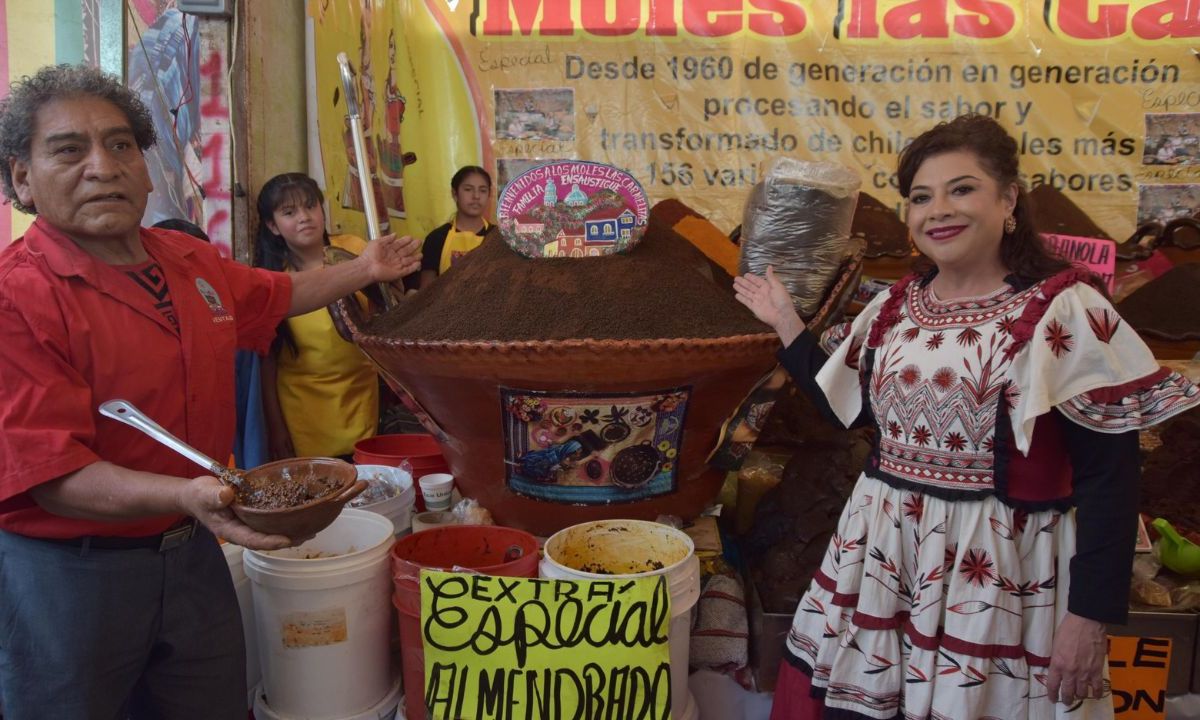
(300, 522)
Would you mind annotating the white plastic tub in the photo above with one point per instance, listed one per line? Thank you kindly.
(637, 548)
(322, 612)
(390, 493)
(386, 709)
(245, 597)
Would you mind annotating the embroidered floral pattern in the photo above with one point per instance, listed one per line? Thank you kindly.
(1060, 340)
(976, 567)
(968, 337)
(853, 352)
(1104, 323)
(935, 341)
(1006, 324)
(944, 378)
(914, 506)
(910, 375)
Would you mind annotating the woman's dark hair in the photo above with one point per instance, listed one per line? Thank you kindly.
(183, 226)
(467, 171)
(18, 112)
(270, 249)
(1023, 252)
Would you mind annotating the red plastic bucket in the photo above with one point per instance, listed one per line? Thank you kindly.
(488, 549)
(420, 450)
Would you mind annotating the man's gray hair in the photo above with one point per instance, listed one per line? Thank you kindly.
(19, 110)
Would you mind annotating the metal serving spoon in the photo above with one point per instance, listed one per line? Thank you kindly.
(125, 412)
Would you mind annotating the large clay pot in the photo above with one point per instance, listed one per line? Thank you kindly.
(460, 385)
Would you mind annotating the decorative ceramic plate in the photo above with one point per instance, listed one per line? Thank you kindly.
(573, 209)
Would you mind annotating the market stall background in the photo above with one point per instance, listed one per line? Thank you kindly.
(695, 99)
(188, 72)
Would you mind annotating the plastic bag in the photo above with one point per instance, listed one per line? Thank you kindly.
(798, 220)
(469, 512)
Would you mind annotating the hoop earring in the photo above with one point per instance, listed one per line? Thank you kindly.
(1010, 224)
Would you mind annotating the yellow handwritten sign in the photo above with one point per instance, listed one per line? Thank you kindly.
(1138, 667)
(499, 648)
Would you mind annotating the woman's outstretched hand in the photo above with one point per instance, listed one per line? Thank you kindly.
(770, 302)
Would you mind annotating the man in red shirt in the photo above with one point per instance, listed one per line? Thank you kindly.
(115, 599)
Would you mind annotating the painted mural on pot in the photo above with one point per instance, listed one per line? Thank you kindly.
(592, 449)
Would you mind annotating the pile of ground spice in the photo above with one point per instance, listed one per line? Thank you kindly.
(662, 288)
(1166, 486)
(1054, 212)
(283, 491)
(1160, 308)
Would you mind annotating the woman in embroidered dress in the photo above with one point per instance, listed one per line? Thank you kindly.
(991, 534)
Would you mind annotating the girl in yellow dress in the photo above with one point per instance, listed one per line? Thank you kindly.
(320, 393)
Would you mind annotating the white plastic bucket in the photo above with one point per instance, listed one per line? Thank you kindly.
(323, 616)
(245, 597)
(636, 548)
(396, 507)
(386, 709)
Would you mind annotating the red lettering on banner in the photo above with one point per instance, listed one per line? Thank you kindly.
(627, 17)
(1150, 22)
(703, 18)
(1074, 19)
(864, 19)
(556, 17)
(857, 19)
(929, 19)
(918, 19)
(1162, 20)
(712, 18)
(662, 19)
(992, 19)
(791, 18)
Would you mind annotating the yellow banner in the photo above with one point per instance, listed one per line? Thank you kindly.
(695, 97)
(498, 647)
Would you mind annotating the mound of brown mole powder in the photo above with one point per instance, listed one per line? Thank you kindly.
(1054, 212)
(662, 288)
(276, 493)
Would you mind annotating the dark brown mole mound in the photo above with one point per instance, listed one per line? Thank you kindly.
(662, 288)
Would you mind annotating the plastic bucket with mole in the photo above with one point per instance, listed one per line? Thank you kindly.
(488, 549)
(322, 618)
(385, 709)
(607, 549)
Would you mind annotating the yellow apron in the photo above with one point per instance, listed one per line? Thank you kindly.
(459, 243)
(328, 391)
